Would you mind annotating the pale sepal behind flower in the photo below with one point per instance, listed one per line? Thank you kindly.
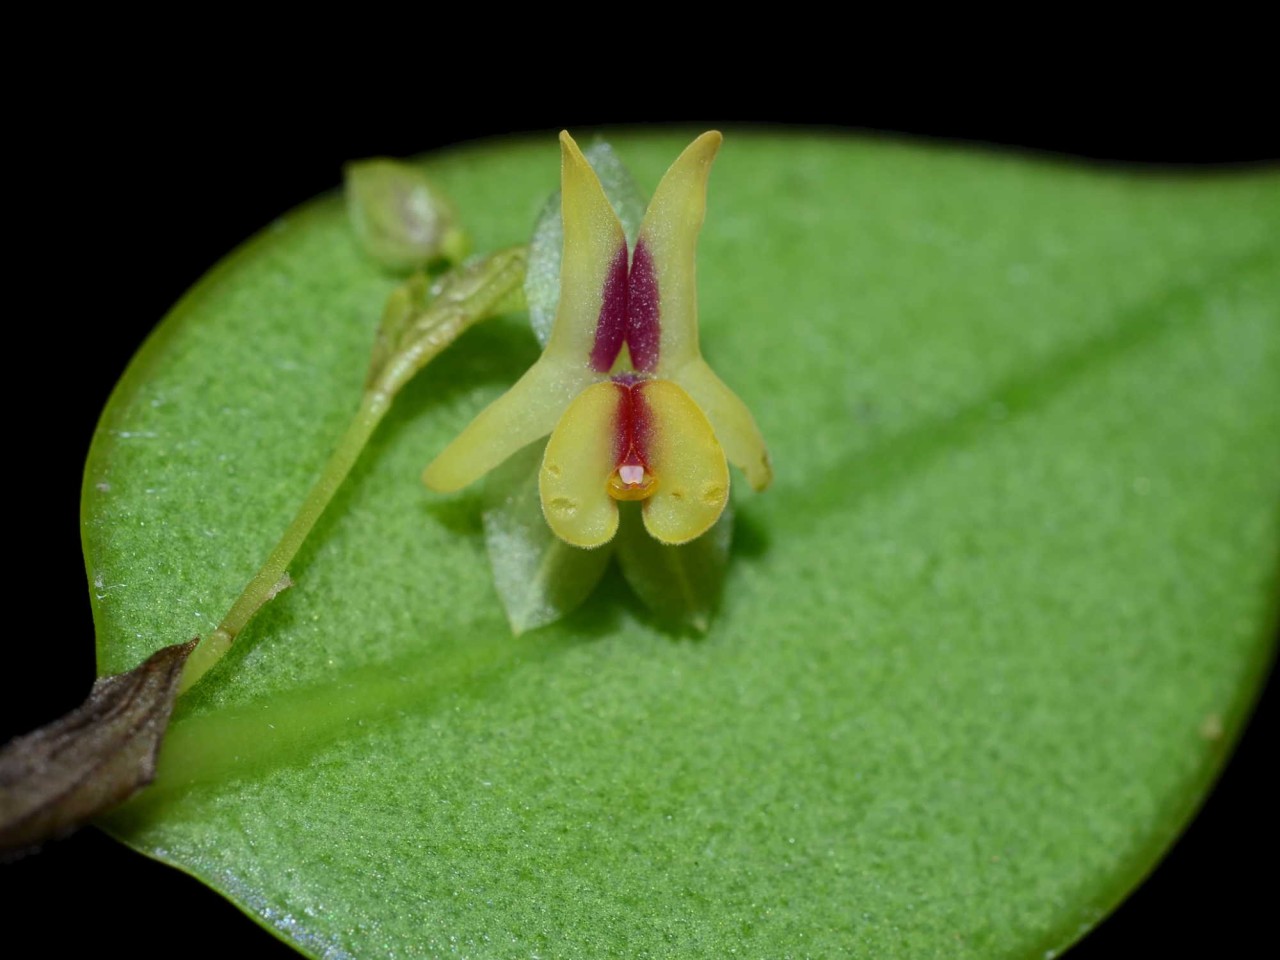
(681, 585)
(538, 576)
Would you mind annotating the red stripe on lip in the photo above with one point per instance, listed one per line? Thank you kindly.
(631, 428)
(631, 478)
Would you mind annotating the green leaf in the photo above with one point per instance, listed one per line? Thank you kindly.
(539, 577)
(981, 649)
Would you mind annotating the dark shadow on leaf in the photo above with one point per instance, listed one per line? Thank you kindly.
(460, 514)
(601, 613)
(674, 631)
(751, 538)
(497, 351)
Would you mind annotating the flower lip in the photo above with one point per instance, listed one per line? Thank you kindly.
(632, 477)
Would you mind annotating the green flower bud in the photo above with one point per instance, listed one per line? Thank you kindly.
(400, 218)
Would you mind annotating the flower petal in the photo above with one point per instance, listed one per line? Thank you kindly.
(526, 412)
(585, 339)
(663, 327)
(591, 318)
(735, 427)
(579, 460)
(688, 463)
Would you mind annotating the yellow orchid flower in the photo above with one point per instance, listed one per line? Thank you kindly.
(633, 410)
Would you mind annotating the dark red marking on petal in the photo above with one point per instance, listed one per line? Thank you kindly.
(631, 478)
(632, 427)
(644, 329)
(611, 325)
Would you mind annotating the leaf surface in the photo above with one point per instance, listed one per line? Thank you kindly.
(980, 651)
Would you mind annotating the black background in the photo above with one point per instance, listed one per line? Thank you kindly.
(126, 192)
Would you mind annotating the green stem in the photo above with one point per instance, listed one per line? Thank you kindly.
(273, 578)
(412, 333)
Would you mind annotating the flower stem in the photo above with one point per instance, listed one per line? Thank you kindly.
(273, 578)
(416, 325)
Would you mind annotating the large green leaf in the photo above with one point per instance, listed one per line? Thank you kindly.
(980, 650)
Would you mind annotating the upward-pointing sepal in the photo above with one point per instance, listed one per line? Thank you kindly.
(664, 295)
(591, 320)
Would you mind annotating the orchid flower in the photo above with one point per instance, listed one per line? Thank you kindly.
(633, 410)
